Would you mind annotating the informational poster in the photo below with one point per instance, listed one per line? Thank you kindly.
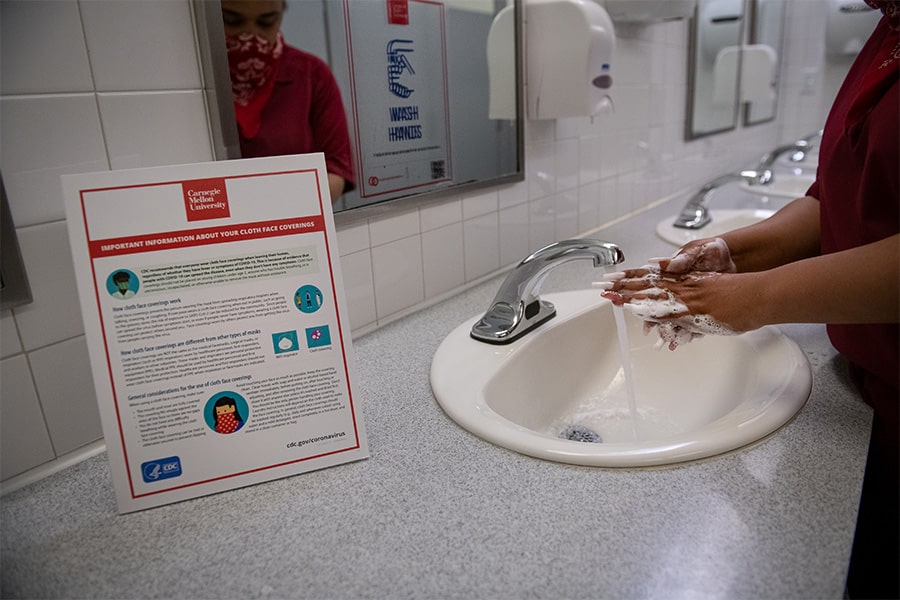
(398, 55)
(216, 324)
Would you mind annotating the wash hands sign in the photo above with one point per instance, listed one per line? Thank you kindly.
(403, 122)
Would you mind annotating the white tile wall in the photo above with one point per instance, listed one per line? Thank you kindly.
(44, 137)
(26, 441)
(171, 129)
(60, 66)
(67, 395)
(9, 337)
(140, 45)
(116, 84)
(54, 315)
(112, 84)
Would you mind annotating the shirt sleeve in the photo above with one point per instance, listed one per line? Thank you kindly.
(329, 124)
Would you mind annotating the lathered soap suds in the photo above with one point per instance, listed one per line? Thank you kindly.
(662, 311)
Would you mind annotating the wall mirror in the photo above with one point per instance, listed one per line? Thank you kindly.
(414, 82)
(715, 55)
(766, 40)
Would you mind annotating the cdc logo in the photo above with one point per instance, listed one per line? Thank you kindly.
(163, 468)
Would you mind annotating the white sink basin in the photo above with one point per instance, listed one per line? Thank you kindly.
(722, 220)
(784, 185)
(711, 396)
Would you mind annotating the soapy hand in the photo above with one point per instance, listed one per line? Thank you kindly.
(652, 295)
(661, 293)
(706, 255)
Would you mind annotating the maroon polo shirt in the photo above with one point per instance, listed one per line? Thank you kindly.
(304, 114)
(858, 186)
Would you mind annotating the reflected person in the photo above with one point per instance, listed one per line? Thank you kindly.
(286, 101)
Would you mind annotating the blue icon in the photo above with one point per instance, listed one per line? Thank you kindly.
(308, 299)
(397, 64)
(285, 341)
(161, 468)
(122, 284)
(318, 336)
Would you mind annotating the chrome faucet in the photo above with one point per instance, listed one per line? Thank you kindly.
(797, 149)
(517, 309)
(695, 214)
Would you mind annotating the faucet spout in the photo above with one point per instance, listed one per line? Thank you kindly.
(517, 308)
(695, 213)
(764, 169)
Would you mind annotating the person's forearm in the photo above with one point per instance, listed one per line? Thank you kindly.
(789, 235)
(335, 186)
(860, 285)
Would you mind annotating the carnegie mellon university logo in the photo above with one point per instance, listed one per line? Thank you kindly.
(205, 199)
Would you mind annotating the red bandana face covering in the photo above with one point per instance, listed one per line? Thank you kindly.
(253, 62)
(226, 423)
(882, 72)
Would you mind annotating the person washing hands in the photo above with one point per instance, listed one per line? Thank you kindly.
(831, 257)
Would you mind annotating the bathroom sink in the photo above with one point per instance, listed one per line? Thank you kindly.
(714, 395)
(783, 186)
(722, 220)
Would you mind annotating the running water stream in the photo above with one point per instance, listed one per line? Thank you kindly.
(625, 357)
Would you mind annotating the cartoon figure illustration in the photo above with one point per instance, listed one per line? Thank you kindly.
(397, 64)
(227, 417)
(122, 280)
(308, 298)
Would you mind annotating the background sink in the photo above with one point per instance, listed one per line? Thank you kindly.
(708, 397)
(783, 186)
(809, 163)
(722, 220)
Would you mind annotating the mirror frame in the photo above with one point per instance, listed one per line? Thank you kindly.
(223, 126)
(747, 121)
(693, 36)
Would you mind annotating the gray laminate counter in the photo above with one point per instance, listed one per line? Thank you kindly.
(436, 512)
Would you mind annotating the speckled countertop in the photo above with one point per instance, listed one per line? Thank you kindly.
(436, 512)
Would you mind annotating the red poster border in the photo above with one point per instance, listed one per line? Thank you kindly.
(319, 226)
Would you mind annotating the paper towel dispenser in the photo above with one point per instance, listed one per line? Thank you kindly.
(648, 11)
(569, 47)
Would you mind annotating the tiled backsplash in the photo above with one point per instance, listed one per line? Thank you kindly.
(115, 84)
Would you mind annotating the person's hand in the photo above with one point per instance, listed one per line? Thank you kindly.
(649, 295)
(684, 307)
(708, 254)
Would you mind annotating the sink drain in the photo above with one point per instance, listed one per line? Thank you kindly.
(580, 433)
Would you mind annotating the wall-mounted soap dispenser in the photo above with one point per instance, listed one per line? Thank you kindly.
(569, 47)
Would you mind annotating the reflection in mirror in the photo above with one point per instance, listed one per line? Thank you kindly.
(761, 66)
(715, 63)
(395, 93)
